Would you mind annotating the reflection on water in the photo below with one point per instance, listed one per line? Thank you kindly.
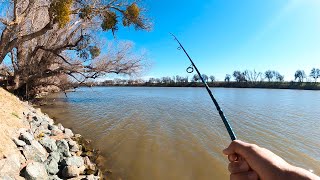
(176, 133)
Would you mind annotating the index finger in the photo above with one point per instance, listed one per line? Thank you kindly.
(238, 147)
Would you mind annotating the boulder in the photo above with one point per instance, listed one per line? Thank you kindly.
(51, 165)
(92, 177)
(36, 121)
(49, 144)
(85, 177)
(60, 126)
(47, 132)
(79, 178)
(54, 177)
(35, 152)
(91, 167)
(55, 156)
(68, 133)
(73, 161)
(6, 177)
(18, 142)
(74, 147)
(52, 127)
(44, 125)
(26, 137)
(63, 148)
(70, 171)
(77, 137)
(56, 132)
(10, 166)
(35, 171)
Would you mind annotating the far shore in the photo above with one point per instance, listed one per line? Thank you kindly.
(261, 85)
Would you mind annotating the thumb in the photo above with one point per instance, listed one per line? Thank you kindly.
(236, 147)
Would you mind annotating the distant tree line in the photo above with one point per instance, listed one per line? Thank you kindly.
(242, 79)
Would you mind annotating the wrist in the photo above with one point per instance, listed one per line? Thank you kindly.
(296, 173)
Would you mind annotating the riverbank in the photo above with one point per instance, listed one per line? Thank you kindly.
(261, 85)
(32, 146)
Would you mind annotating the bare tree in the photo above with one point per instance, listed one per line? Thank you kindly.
(252, 76)
(300, 75)
(212, 78)
(227, 78)
(239, 76)
(315, 74)
(195, 78)
(205, 77)
(49, 39)
(279, 77)
(269, 75)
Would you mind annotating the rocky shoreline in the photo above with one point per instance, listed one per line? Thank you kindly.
(48, 151)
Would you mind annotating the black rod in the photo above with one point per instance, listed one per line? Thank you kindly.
(224, 119)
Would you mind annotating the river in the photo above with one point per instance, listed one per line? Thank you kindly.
(176, 133)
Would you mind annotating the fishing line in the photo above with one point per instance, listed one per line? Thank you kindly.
(193, 67)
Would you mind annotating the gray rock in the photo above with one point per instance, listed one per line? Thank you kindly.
(60, 126)
(55, 156)
(56, 132)
(6, 177)
(85, 177)
(21, 130)
(63, 148)
(68, 132)
(35, 171)
(26, 137)
(70, 171)
(49, 144)
(74, 147)
(36, 121)
(50, 121)
(73, 161)
(35, 152)
(51, 166)
(44, 125)
(72, 142)
(92, 177)
(52, 127)
(18, 142)
(10, 166)
(77, 136)
(91, 166)
(54, 177)
(47, 132)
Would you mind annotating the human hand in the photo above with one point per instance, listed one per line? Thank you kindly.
(251, 162)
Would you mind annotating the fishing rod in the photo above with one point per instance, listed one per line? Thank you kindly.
(190, 69)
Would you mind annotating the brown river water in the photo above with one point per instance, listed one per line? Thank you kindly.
(176, 133)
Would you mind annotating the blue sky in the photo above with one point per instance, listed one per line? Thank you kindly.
(222, 36)
(226, 35)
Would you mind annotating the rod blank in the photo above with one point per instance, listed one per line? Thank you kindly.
(224, 119)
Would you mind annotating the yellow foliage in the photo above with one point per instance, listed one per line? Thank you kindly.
(61, 9)
(110, 21)
(86, 13)
(131, 14)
